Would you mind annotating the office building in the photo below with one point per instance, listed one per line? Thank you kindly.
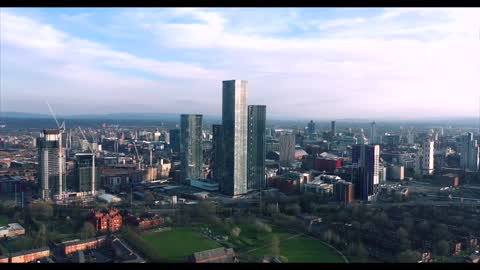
(234, 122)
(469, 152)
(51, 162)
(426, 157)
(333, 129)
(218, 167)
(365, 173)
(256, 147)
(287, 148)
(311, 128)
(373, 133)
(175, 140)
(191, 151)
(85, 173)
(343, 192)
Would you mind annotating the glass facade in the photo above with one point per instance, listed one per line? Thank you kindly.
(234, 122)
(191, 151)
(256, 147)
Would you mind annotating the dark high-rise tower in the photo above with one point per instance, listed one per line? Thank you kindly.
(234, 122)
(85, 173)
(365, 161)
(256, 147)
(311, 128)
(218, 167)
(191, 151)
(333, 129)
(51, 162)
(175, 140)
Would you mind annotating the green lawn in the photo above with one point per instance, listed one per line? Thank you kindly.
(297, 249)
(3, 220)
(301, 249)
(177, 244)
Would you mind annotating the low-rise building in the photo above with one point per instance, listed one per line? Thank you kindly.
(12, 230)
(80, 245)
(448, 179)
(146, 221)
(204, 184)
(30, 255)
(106, 220)
(217, 255)
(3, 259)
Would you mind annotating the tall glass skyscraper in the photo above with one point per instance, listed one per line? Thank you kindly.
(51, 162)
(234, 122)
(256, 147)
(85, 173)
(365, 161)
(469, 152)
(191, 150)
(175, 140)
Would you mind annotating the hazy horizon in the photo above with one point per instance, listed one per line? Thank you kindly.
(340, 63)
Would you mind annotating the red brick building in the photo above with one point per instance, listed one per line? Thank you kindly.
(30, 255)
(146, 221)
(106, 220)
(92, 243)
(327, 164)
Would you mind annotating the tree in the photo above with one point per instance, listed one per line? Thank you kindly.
(40, 239)
(149, 199)
(275, 246)
(87, 231)
(403, 240)
(361, 251)
(408, 256)
(442, 248)
(42, 210)
(235, 232)
(440, 231)
(293, 209)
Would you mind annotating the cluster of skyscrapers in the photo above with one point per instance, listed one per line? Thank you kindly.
(238, 159)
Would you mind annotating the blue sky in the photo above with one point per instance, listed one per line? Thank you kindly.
(324, 63)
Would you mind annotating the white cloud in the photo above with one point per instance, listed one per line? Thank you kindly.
(398, 65)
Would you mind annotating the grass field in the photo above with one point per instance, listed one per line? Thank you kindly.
(177, 244)
(3, 220)
(301, 249)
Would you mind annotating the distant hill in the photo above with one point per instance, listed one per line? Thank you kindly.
(110, 116)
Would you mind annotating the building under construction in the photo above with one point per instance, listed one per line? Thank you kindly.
(51, 162)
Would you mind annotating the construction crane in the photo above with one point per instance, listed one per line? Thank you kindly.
(85, 138)
(138, 156)
(61, 154)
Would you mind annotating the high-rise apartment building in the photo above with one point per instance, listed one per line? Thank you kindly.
(311, 128)
(218, 159)
(191, 148)
(234, 122)
(365, 161)
(469, 152)
(426, 157)
(85, 173)
(373, 133)
(333, 129)
(51, 162)
(256, 147)
(175, 140)
(287, 148)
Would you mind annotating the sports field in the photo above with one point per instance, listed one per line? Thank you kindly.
(301, 249)
(176, 245)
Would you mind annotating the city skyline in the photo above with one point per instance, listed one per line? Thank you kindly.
(293, 58)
